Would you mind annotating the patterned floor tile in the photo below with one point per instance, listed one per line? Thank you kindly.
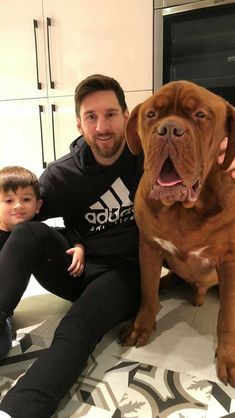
(222, 401)
(157, 393)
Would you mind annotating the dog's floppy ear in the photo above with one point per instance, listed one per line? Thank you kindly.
(230, 151)
(132, 136)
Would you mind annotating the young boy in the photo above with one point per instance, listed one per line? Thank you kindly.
(19, 199)
(20, 202)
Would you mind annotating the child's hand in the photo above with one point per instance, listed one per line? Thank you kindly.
(78, 260)
(220, 159)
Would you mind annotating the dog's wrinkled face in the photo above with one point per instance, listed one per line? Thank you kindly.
(179, 129)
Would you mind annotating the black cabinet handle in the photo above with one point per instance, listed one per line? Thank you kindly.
(52, 84)
(35, 26)
(53, 110)
(40, 108)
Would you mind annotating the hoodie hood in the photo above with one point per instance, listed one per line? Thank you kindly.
(83, 157)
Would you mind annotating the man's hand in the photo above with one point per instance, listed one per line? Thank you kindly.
(78, 260)
(220, 158)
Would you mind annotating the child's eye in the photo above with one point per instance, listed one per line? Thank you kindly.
(111, 114)
(8, 201)
(27, 199)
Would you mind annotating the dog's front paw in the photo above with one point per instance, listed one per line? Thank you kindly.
(226, 363)
(136, 333)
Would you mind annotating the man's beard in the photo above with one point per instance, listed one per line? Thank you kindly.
(103, 151)
(107, 152)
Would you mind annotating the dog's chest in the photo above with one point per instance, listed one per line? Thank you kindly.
(187, 262)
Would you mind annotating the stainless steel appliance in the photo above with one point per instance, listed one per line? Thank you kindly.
(195, 40)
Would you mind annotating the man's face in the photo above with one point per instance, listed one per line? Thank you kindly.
(102, 123)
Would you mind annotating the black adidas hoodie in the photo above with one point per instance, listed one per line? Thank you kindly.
(95, 201)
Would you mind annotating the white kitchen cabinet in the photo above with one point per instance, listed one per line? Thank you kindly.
(133, 98)
(48, 46)
(18, 58)
(21, 140)
(100, 36)
(35, 132)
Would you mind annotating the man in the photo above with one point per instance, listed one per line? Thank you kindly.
(92, 188)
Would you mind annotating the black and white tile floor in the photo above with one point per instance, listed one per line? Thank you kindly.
(174, 376)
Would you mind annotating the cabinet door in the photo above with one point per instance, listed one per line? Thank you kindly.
(133, 98)
(22, 58)
(62, 124)
(24, 126)
(109, 37)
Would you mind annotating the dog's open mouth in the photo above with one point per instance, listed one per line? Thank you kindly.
(168, 175)
(169, 186)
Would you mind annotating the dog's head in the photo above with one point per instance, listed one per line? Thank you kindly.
(179, 129)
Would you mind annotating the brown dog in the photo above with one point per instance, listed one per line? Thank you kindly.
(184, 205)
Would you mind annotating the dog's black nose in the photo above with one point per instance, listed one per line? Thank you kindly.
(170, 129)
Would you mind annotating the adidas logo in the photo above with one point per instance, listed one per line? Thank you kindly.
(113, 207)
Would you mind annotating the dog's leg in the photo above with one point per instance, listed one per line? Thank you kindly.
(198, 295)
(226, 324)
(138, 331)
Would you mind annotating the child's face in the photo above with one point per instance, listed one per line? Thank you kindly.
(17, 207)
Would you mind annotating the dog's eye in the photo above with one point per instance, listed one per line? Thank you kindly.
(200, 114)
(150, 114)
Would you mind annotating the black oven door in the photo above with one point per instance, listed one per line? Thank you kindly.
(199, 45)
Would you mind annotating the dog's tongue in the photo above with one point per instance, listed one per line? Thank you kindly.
(169, 182)
(168, 175)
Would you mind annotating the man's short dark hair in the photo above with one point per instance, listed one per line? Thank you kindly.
(98, 82)
(13, 177)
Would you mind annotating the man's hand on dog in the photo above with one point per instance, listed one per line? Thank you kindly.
(220, 158)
